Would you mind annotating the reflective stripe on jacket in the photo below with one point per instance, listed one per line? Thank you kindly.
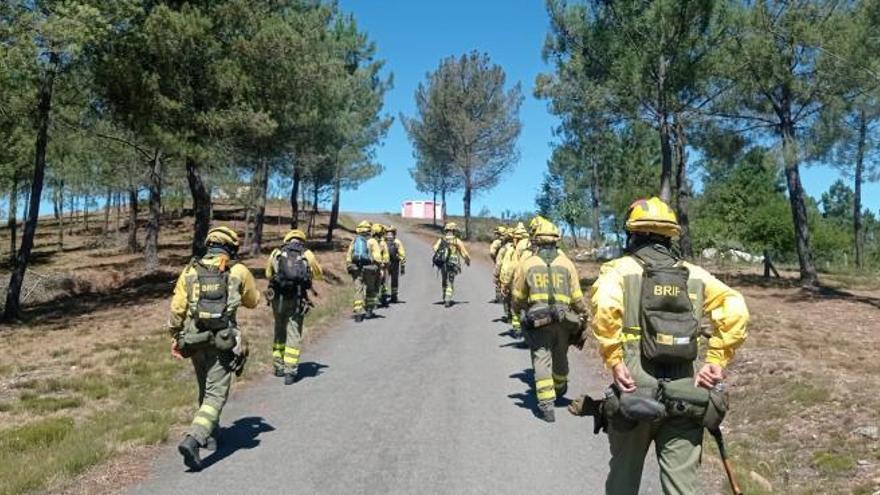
(615, 307)
(531, 283)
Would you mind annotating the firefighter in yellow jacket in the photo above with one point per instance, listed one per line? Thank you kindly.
(365, 259)
(396, 263)
(494, 251)
(449, 251)
(204, 328)
(506, 245)
(546, 289)
(647, 307)
(291, 269)
(379, 231)
(511, 259)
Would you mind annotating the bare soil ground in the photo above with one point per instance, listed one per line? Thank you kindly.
(86, 377)
(803, 386)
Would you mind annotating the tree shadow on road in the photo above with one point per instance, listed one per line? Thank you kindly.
(310, 370)
(241, 435)
(454, 303)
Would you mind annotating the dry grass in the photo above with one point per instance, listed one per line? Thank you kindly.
(87, 376)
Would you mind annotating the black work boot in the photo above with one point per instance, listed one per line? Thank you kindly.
(290, 378)
(560, 392)
(370, 314)
(189, 449)
(448, 303)
(394, 299)
(359, 317)
(548, 414)
(279, 372)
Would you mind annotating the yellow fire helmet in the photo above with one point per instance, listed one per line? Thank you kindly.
(652, 216)
(450, 227)
(223, 236)
(536, 222)
(378, 229)
(295, 234)
(500, 230)
(546, 232)
(363, 227)
(391, 228)
(520, 231)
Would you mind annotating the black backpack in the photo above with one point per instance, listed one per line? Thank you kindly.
(210, 312)
(441, 255)
(670, 330)
(293, 275)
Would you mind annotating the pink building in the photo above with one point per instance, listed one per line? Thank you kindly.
(422, 209)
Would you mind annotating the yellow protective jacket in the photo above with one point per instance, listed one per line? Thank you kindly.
(615, 307)
(383, 245)
(499, 258)
(532, 279)
(401, 252)
(516, 253)
(456, 247)
(494, 248)
(242, 292)
(373, 247)
(311, 260)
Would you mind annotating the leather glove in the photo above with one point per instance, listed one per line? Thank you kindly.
(402, 270)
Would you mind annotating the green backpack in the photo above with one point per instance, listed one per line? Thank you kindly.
(669, 328)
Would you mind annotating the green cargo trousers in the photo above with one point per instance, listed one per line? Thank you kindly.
(366, 288)
(549, 350)
(289, 333)
(214, 376)
(393, 279)
(678, 441)
(678, 444)
(448, 273)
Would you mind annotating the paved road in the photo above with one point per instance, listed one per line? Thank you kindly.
(421, 400)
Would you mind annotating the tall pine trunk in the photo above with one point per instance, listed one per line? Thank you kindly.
(260, 210)
(334, 210)
(12, 222)
(434, 209)
(682, 190)
(44, 110)
(108, 200)
(60, 195)
(132, 218)
(664, 131)
(294, 194)
(468, 191)
(151, 243)
(858, 235)
(118, 210)
(86, 199)
(201, 206)
(809, 277)
(595, 203)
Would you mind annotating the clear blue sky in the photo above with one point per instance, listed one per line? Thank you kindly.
(412, 36)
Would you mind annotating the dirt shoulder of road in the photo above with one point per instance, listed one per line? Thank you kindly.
(804, 386)
(88, 389)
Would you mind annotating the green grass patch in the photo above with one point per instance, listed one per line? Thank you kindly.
(833, 463)
(145, 392)
(807, 393)
(38, 404)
